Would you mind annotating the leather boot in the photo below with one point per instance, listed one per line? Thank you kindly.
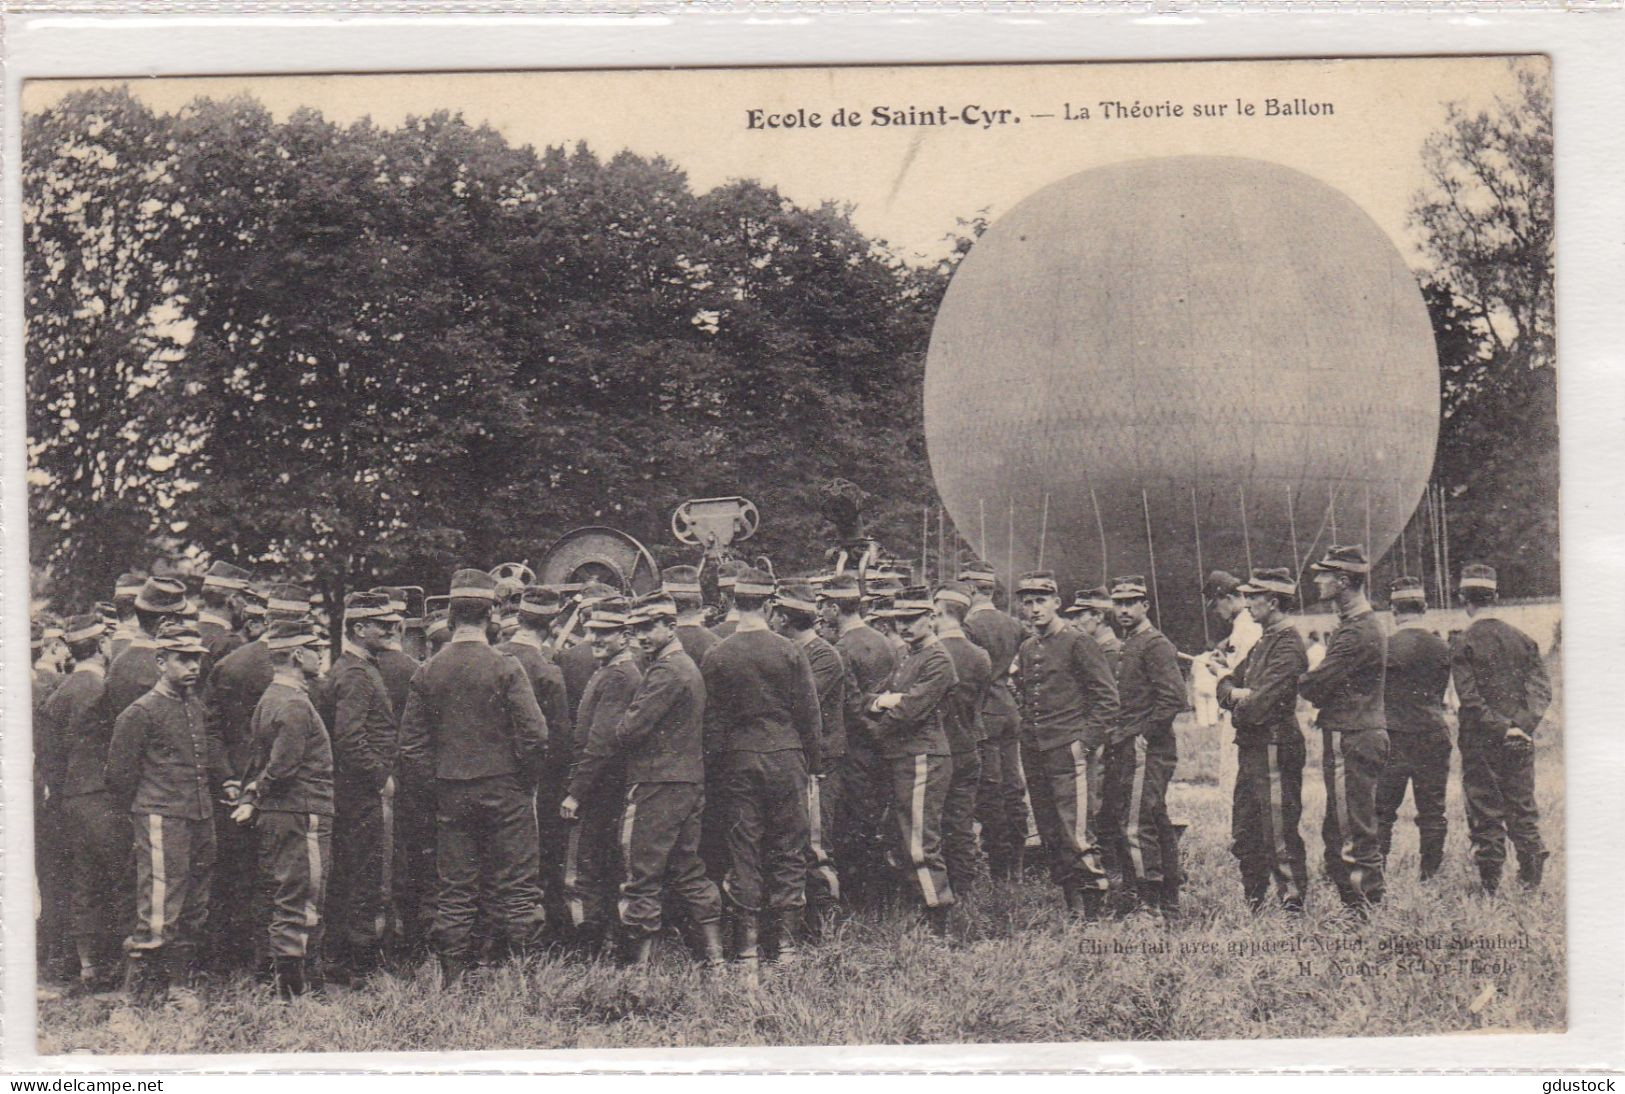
(1073, 897)
(1432, 858)
(746, 953)
(452, 970)
(1168, 896)
(1018, 862)
(1091, 904)
(936, 920)
(1532, 869)
(142, 980)
(711, 945)
(784, 947)
(1489, 874)
(290, 978)
(635, 948)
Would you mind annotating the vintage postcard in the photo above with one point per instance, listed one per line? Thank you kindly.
(795, 556)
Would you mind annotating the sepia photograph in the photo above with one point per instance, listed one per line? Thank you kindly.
(987, 554)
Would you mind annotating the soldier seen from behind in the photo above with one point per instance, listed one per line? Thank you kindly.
(1418, 674)
(1504, 691)
(962, 720)
(1001, 796)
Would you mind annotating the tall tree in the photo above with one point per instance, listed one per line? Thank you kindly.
(1485, 224)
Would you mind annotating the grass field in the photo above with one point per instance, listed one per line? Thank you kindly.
(1014, 972)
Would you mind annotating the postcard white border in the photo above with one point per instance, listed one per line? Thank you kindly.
(1590, 102)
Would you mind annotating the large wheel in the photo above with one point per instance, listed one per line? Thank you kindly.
(600, 554)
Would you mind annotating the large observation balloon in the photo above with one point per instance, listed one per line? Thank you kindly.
(1198, 361)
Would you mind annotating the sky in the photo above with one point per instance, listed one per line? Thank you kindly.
(909, 184)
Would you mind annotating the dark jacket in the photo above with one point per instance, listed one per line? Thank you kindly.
(547, 681)
(165, 759)
(471, 714)
(1500, 678)
(235, 686)
(397, 667)
(870, 662)
(290, 767)
(604, 703)
(1347, 685)
(962, 709)
(1150, 687)
(830, 679)
(696, 640)
(661, 734)
(1067, 690)
(1418, 673)
(1112, 647)
(1001, 636)
(81, 738)
(915, 725)
(760, 697)
(579, 666)
(1270, 672)
(354, 701)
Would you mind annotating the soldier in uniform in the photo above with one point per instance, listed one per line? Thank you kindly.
(288, 795)
(795, 611)
(472, 724)
(763, 733)
(409, 815)
(590, 849)
(253, 615)
(1504, 692)
(1347, 686)
(1262, 695)
(220, 618)
(537, 607)
(1001, 799)
(682, 585)
(51, 869)
(1141, 754)
(125, 590)
(436, 631)
(962, 720)
(165, 767)
(913, 743)
(856, 832)
(395, 665)
(354, 701)
(1091, 613)
(580, 662)
(1418, 672)
(1068, 706)
(660, 741)
(235, 685)
(97, 835)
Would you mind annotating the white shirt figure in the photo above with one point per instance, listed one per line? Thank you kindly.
(1316, 653)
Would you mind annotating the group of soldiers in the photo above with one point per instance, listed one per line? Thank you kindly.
(580, 769)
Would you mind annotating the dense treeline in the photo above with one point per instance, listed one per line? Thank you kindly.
(360, 355)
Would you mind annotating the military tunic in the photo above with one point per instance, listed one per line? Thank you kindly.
(1140, 762)
(857, 835)
(547, 680)
(913, 740)
(1347, 686)
(973, 673)
(1267, 804)
(591, 850)
(824, 795)
(472, 724)
(1418, 672)
(1068, 707)
(290, 780)
(1001, 797)
(1502, 683)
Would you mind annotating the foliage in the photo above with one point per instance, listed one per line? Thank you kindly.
(1486, 230)
(353, 354)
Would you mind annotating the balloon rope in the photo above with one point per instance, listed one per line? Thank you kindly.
(1246, 536)
(981, 512)
(1292, 523)
(1201, 570)
(1043, 530)
(1372, 551)
(1151, 550)
(1444, 523)
(1010, 557)
(1331, 506)
(1105, 565)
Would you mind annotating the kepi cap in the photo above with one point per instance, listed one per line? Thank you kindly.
(1478, 575)
(163, 595)
(1276, 579)
(1131, 587)
(179, 637)
(1348, 559)
(1037, 583)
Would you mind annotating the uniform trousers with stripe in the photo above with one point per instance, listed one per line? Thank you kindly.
(1135, 809)
(355, 903)
(919, 790)
(823, 806)
(768, 829)
(1498, 784)
(486, 839)
(295, 860)
(859, 833)
(174, 863)
(1420, 761)
(959, 848)
(103, 883)
(592, 857)
(1001, 802)
(660, 845)
(1066, 784)
(1352, 764)
(1265, 812)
